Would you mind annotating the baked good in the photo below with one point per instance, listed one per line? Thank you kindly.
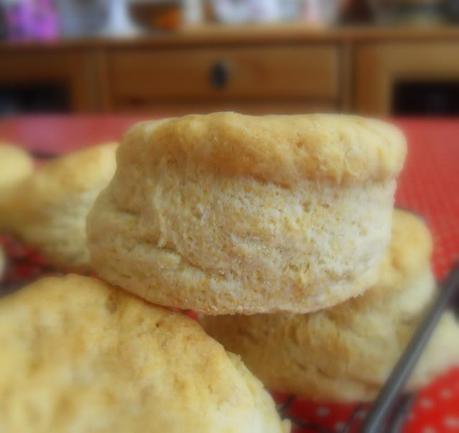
(48, 209)
(15, 165)
(2, 263)
(346, 353)
(227, 213)
(80, 356)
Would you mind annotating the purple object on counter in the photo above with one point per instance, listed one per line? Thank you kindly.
(31, 20)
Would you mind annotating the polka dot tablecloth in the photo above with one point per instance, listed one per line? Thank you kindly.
(429, 186)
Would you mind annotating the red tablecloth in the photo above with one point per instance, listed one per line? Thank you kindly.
(429, 185)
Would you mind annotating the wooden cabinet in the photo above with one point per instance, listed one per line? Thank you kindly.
(379, 67)
(256, 69)
(281, 78)
(73, 70)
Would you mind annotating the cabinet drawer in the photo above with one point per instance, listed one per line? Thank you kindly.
(252, 73)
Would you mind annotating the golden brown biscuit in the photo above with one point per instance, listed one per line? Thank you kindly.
(2, 263)
(15, 165)
(227, 213)
(48, 209)
(81, 356)
(346, 353)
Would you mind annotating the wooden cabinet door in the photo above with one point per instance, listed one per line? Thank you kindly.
(74, 69)
(379, 66)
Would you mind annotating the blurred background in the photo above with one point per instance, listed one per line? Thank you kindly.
(161, 57)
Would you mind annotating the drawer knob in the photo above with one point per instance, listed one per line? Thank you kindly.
(219, 75)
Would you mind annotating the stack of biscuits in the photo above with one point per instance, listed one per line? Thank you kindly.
(278, 231)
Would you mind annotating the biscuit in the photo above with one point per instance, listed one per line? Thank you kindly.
(48, 209)
(226, 213)
(15, 165)
(346, 353)
(81, 356)
(2, 263)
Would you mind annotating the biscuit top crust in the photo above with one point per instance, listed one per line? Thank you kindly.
(78, 172)
(81, 353)
(282, 149)
(83, 169)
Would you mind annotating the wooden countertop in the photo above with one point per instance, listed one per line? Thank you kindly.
(220, 34)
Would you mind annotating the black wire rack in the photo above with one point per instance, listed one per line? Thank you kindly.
(353, 424)
(392, 406)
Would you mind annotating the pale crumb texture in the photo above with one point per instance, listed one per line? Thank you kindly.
(79, 356)
(179, 236)
(48, 209)
(346, 353)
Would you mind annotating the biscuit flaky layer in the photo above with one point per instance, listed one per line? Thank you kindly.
(81, 356)
(283, 149)
(345, 353)
(48, 209)
(225, 241)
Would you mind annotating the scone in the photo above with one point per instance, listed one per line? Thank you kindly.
(15, 165)
(2, 263)
(48, 209)
(80, 356)
(346, 353)
(226, 213)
